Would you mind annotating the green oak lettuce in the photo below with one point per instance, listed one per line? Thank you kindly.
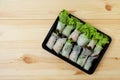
(63, 17)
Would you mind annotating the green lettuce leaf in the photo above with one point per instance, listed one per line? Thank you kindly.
(89, 30)
(104, 40)
(70, 40)
(72, 21)
(63, 16)
(79, 25)
(97, 36)
(92, 30)
(85, 29)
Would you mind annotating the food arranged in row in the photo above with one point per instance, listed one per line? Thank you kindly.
(80, 42)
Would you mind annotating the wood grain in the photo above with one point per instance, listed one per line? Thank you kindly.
(45, 9)
(24, 25)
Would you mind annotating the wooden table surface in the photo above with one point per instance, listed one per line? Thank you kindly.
(24, 25)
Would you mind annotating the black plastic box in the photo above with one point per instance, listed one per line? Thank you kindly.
(95, 63)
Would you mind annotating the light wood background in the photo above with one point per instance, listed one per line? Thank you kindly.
(24, 25)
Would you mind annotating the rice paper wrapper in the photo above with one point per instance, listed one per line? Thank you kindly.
(82, 40)
(74, 35)
(52, 40)
(60, 26)
(92, 43)
(75, 52)
(97, 50)
(67, 49)
(88, 63)
(59, 44)
(67, 30)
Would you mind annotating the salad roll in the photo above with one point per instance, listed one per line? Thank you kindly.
(52, 40)
(83, 57)
(63, 16)
(82, 40)
(59, 44)
(92, 43)
(97, 50)
(89, 61)
(60, 26)
(74, 35)
(67, 48)
(70, 26)
(99, 46)
(95, 38)
(75, 52)
(67, 30)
